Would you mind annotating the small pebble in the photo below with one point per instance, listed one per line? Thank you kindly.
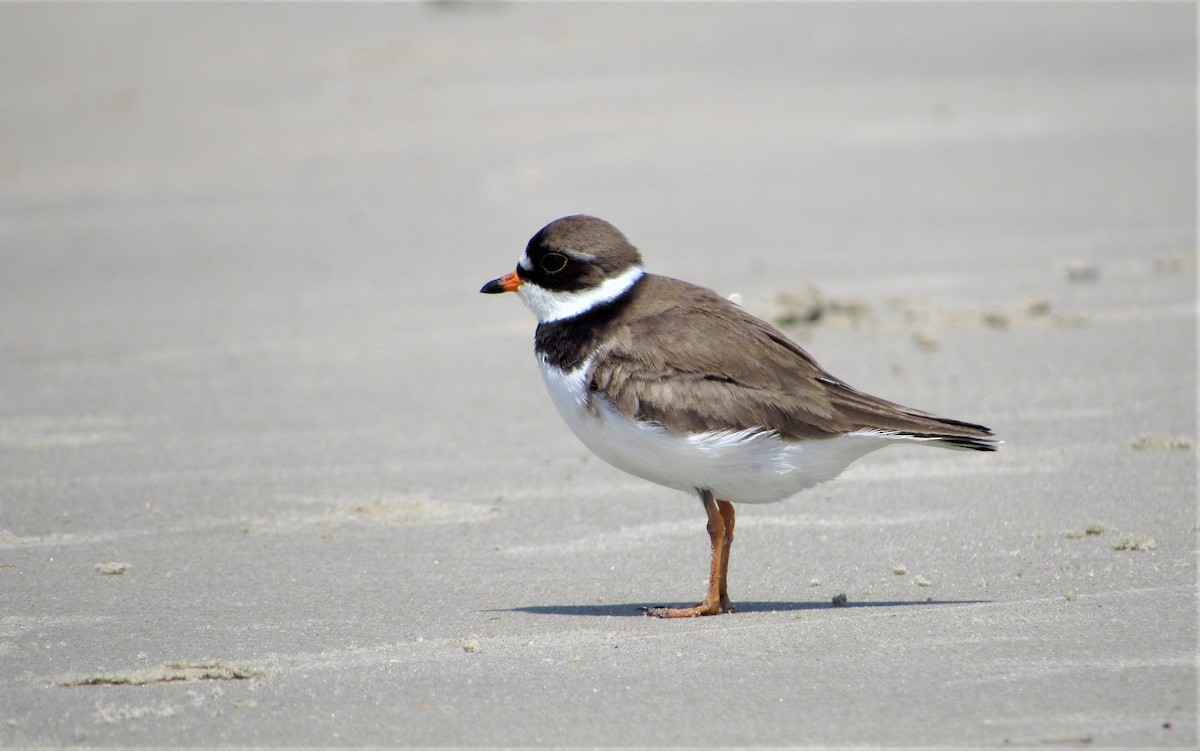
(1079, 271)
(1037, 308)
(996, 319)
(925, 341)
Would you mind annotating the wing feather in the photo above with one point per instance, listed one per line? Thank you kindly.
(727, 370)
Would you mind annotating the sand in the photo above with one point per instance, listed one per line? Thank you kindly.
(273, 474)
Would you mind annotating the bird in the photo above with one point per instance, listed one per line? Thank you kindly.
(675, 384)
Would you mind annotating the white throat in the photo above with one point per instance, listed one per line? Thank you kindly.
(550, 306)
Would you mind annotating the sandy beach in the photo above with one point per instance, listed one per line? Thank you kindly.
(273, 473)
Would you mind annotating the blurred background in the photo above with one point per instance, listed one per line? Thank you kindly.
(244, 235)
(245, 240)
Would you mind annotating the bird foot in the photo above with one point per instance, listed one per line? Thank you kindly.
(704, 608)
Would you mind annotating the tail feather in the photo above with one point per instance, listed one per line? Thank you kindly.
(960, 442)
(871, 414)
(966, 436)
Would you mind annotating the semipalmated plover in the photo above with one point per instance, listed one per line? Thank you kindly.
(677, 385)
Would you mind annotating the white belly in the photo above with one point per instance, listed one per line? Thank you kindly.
(750, 466)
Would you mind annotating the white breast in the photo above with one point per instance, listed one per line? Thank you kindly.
(749, 466)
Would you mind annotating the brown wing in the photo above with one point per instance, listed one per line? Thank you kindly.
(702, 363)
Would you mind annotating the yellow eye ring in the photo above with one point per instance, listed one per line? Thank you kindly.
(552, 263)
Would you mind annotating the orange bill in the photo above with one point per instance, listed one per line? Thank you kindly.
(507, 283)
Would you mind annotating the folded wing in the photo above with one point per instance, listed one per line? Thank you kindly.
(731, 371)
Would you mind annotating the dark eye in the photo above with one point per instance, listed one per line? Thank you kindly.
(552, 263)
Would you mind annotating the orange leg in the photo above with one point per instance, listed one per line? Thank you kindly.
(726, 509)
(720, 534)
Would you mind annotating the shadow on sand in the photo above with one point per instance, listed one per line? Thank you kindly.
(629, 609)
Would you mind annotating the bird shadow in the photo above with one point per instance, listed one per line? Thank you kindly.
(631, 610)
